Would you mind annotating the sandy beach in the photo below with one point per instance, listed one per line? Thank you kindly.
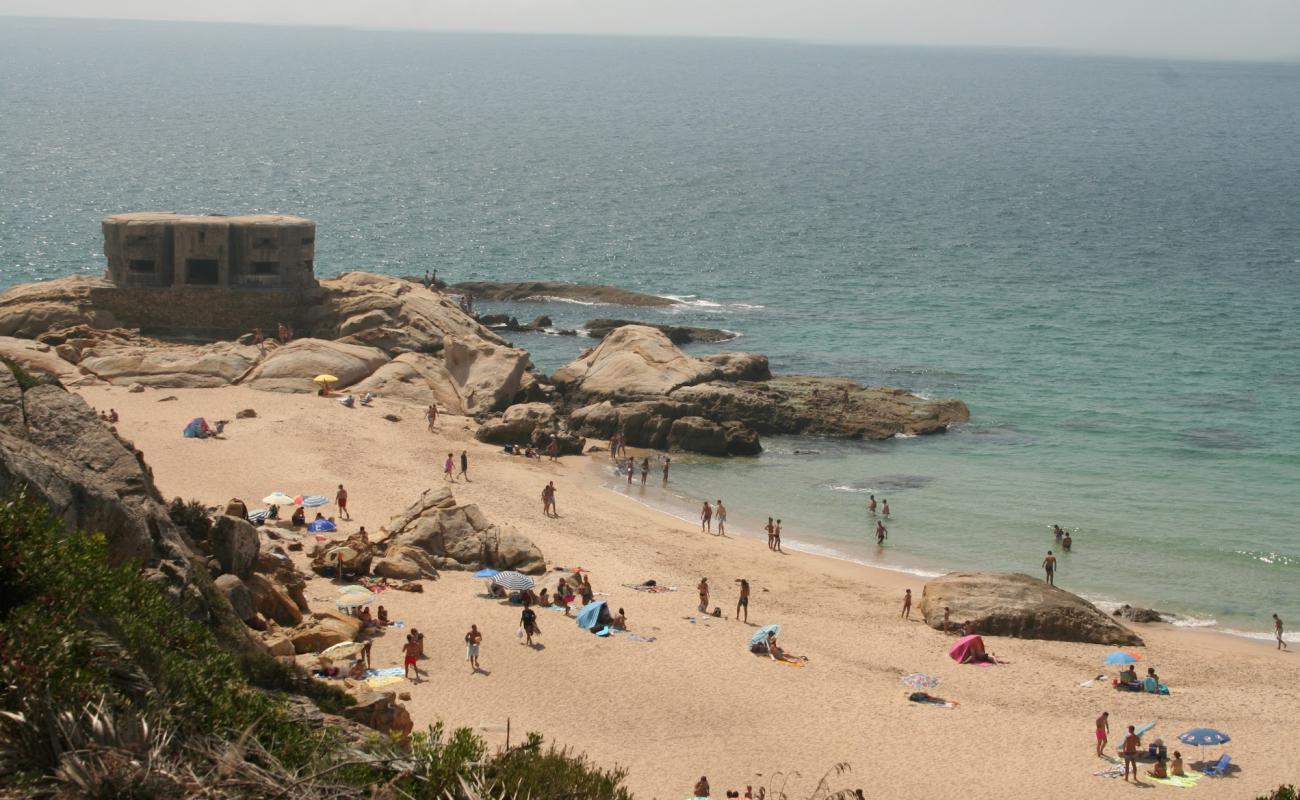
(693, 701)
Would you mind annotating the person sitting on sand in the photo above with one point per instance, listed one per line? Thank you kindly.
(1128, 675)
(620, 621)
(299, 517)
(358, 670)
(1152, 681)
(1176, 765)
(383, 617)
(1159, 769)
(702, 787)
(544, 598)
(112, 416)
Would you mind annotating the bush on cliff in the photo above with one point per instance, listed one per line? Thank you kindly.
(107, 690)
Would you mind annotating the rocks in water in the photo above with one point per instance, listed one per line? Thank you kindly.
(543, 290)
(486, 376)
(666, 425)
(1143, 615)
(382, 712)
(241, 599)
(517, 424)
(459, 536)
(324, 629)
(291, 368)
(677, 334)
(151, 363)
(700, 435)
(539, 323)
(1011, 604)
(246, 413)
(234, 544)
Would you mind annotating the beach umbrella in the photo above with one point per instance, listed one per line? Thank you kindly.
(919, 680)
(258, 517)
(313, 501)
(485, 573)
(321, 526)
(965, 645)
(761, 634)
(278, 499)
(342, 650)
(1200, 737)
(1141, 729)
(354, 600)
(325, 379)
(1120, 657)
(340, 555)
(512, 581)
(353, 587)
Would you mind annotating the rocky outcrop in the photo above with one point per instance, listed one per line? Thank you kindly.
(273, 601)
(380, 711)
(322, 630)
(800, 404)
(291, 368)
(240, 598)
(392, 314)
(486, 376)
(404, 563)
(1010, 604)
(55, 445)
(459, 536)
(544, 290)
(157, 364)
(41, 359)
(517, 424)
(234, 545)
(30, 309)
(415, 378)
(665, 425)
(1140, 615)
(677, 334)
(700, 435)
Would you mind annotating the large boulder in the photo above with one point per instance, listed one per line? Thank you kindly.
(291, 368)
(55, 445)
(324, 629)
(404, 563)
(273, 601)
(42, 360)
(241, 599)
(633, 362)
(415, 378)
(459, 536)
(1011, 604)
(382, 712)
(171, 366)
(700, 435)
(518, 423)
(30, 309)
(677, 334)
(234, 544)
(486, 376)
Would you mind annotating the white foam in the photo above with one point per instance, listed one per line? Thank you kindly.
(901, 435)
(553, 299)
(699, 302)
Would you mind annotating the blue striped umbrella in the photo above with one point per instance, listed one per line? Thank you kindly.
(761, 634)
(258, 517)
(1200, 737)
(485, 573)
(315, 501)
(513, 581)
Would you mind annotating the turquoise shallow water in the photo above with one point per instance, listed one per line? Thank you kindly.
(1101, 256)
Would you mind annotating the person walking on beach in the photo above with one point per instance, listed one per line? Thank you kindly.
(776, 537)
(703, 589)
(1103, 732)
(882, 533)
(769, 528)
(472, 641)
(871, 504)
(410, 652)
(548, 500)
(667, 462)
(464, 465)
(706, 518)
(721, 513)
(907, 605)
(1132, 743)
(884, 507)
(743, 602)
(341, 500)
(449, 468)
(645, 470)
(1277, 631)
(1049, 566)
(528, 623)
(431, 416)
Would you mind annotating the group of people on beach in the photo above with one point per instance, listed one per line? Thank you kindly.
(449, 467)
(709, 513)
(1131, 750)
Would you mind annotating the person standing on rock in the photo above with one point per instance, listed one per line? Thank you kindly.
(706, 518)
(449, 468)
(464, 465)
(472, 641)
(431, 415)
(722, 518)
(341, 500)
(1049, 566)
(882, 533)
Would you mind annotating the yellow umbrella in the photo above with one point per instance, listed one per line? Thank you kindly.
(325, 379)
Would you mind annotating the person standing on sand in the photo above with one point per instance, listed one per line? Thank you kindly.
(722, 519)
(907, 605)
(631, 470)
(464, 465)
(667, 462)
(1132, 744)
(410, 652)
(703, 588)
(645, 470)
(528, 622)
(706, 518)
(449, 468)
(1103, 732)
(881, 533)
(1049, 566)
(555, 510)
(776, 537)
(769, 528)
(871, 505)
(1277, 631)
(472, 641)
(431, 416)
(884, 507)
(341, 500)
(743, 602)
(947, 613)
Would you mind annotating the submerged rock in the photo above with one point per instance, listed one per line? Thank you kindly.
(543, 290)
(677, 334)
(1011, 604)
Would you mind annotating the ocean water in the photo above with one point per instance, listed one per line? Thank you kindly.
(1100, 256)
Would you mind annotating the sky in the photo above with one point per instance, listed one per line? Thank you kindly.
(1265, 30)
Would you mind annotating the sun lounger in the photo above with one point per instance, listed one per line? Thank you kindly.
(1219, 768)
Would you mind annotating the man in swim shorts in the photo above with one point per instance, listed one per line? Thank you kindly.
(472, 641)
(410, 652)
(722, 519)
(706, 518)
(743, 602)
(882, 533)
(1049, 566)
(341, 500)
(1132, 744)
(1103, 732)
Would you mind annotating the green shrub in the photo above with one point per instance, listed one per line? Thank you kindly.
(1282, 793)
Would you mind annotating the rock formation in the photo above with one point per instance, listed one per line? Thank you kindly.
(450, 536)
(486, 376)
(291, 368)
(39, 358)
(324, 629)
(542, 290)
(156, 364)
(1011, 604)
(677, 334)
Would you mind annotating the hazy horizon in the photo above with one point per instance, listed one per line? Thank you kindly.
(1256, 30)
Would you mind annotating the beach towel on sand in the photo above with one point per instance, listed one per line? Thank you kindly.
(384, 680)
(385, 672)
(1180, 781)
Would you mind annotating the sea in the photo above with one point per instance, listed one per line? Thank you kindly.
(1099, 255)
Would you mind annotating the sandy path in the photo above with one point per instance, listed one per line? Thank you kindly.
(694, 701)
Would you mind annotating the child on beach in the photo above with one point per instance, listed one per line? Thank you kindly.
(449, 468)
(528, 623)
(907, 605)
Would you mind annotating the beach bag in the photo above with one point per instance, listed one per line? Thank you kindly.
(519, 634)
